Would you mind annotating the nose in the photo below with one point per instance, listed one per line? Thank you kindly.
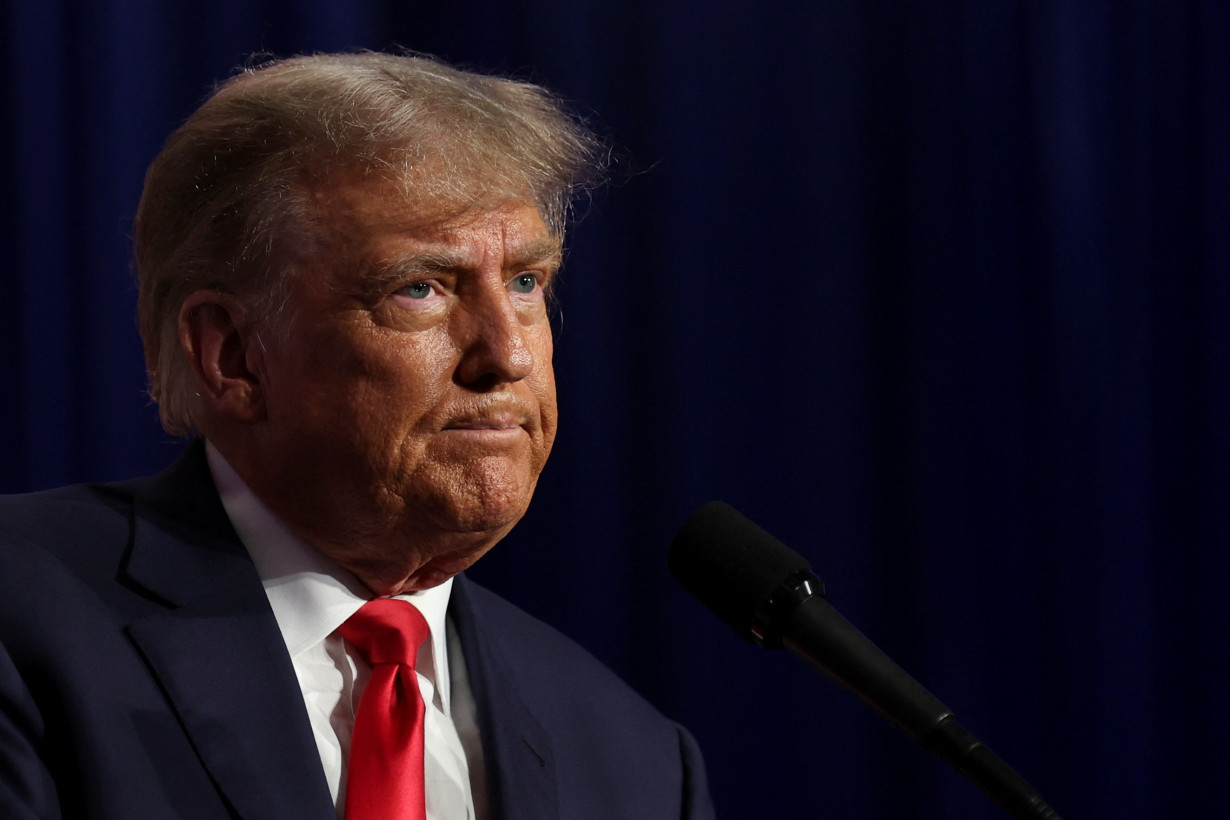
(494, 344)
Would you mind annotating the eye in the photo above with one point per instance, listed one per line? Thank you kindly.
(524, 283)
(418, 290)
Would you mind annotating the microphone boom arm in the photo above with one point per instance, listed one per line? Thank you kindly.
(768, 594)
(820, 635)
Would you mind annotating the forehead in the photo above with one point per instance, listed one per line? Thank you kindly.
(354, 209)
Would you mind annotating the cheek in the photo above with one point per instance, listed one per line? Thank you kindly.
(369, 392)
(544, 380)
(407, 362)
(409, 385)
(548, 412)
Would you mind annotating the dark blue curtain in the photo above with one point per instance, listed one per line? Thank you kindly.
(936, 292)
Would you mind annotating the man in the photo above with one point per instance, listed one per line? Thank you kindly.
(344, 264)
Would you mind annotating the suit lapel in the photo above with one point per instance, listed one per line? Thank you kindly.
(217, 651)
(521, 770)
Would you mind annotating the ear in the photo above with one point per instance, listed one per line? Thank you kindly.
(215, 332)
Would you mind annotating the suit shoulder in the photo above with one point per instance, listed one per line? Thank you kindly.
(80, 530)
(551, 664)
(38, 514)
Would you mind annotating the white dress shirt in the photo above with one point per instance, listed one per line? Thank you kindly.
(311, 597)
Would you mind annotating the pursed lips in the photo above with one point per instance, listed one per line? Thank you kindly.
(494, 424)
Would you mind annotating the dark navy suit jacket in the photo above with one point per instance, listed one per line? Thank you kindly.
(142, 675)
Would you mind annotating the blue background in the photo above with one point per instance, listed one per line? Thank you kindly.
(935, 292)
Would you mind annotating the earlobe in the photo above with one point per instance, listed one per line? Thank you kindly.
(216, 334)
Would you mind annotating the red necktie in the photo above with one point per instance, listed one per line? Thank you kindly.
(385, 777)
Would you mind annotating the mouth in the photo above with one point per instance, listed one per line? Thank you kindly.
(490, 428)
(484, 424)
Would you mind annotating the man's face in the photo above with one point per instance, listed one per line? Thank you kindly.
(410, 397)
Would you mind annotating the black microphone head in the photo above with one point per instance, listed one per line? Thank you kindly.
(732, 565)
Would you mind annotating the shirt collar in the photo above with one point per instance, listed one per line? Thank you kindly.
(311, 594)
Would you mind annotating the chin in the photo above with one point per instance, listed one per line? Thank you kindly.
(486, 504)
(490, 522)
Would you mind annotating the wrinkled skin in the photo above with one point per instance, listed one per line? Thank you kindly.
(398, 411)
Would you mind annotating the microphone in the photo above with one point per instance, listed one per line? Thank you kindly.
(768, 594)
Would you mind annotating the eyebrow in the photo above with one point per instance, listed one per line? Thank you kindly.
(545, 251)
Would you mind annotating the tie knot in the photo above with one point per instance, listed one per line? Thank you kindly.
(386, 630)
